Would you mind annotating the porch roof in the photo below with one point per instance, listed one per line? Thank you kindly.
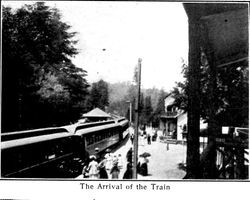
(170, 115)
(226, 28)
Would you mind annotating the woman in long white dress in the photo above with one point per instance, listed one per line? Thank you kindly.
(93, 168)
(109, 161)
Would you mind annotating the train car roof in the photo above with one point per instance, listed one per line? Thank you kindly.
(32, 133)
(123, 123)
(93, 124)
(32, 140)
(85, 131)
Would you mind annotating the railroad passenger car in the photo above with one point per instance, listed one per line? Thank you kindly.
(56, 152)
(40, 156)
(102, 137)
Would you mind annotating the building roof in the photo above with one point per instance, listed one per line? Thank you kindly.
(226, 30)
(172, 115)
(97, 112)
(168, 95)
(205, 9)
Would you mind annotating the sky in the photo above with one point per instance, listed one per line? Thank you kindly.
(113, 35)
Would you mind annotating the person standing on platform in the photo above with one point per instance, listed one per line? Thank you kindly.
(154, 137)
(144, 167)
(129, 172)
(102, 171)
(114, 158)
(85, 172)
(115, 171)
(130, 155)
(164, 132)
(108, 161)
(93, 168)
(97, 155)
(120, 163)
(149, 138)
(139, 163)
(132, 138)
(144, 137)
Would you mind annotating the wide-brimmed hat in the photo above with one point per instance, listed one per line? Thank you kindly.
(145, 154)
(102, 164)
(93, 157)
(96, 149)
(108, 150)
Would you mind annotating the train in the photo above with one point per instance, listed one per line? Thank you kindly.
(57, 152)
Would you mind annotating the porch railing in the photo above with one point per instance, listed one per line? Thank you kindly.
(231, 156)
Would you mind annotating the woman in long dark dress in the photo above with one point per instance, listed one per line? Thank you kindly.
(115, 171)
(129, 172)
(144, 167)
(149, 138)
(102, 171)
(129, 155)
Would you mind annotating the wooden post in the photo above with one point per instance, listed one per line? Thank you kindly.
(240, 167)
(130, 112)
(193, 144)
(213, 128)
(135, 155)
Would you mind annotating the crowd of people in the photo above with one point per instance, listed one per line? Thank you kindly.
(108, 168)
(146, 137)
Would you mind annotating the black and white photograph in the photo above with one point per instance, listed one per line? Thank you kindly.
(117, 91)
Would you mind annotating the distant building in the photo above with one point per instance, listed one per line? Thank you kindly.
(173, 122)
(95, 115)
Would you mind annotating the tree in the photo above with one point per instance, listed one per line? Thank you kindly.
(179, 92)
(99, 95)
(118, 98)
(120, 94)
(160, 108)
(231, 94)
(37, 49)
(147, 111)
(154, 94)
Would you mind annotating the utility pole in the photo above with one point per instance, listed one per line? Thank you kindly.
(137, 119)
(130, 111)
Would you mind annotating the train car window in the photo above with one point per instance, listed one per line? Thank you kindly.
(99, 137)
(64, 146)
(92, 140)
(103, 136)
(96, 138)
(87, 141)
